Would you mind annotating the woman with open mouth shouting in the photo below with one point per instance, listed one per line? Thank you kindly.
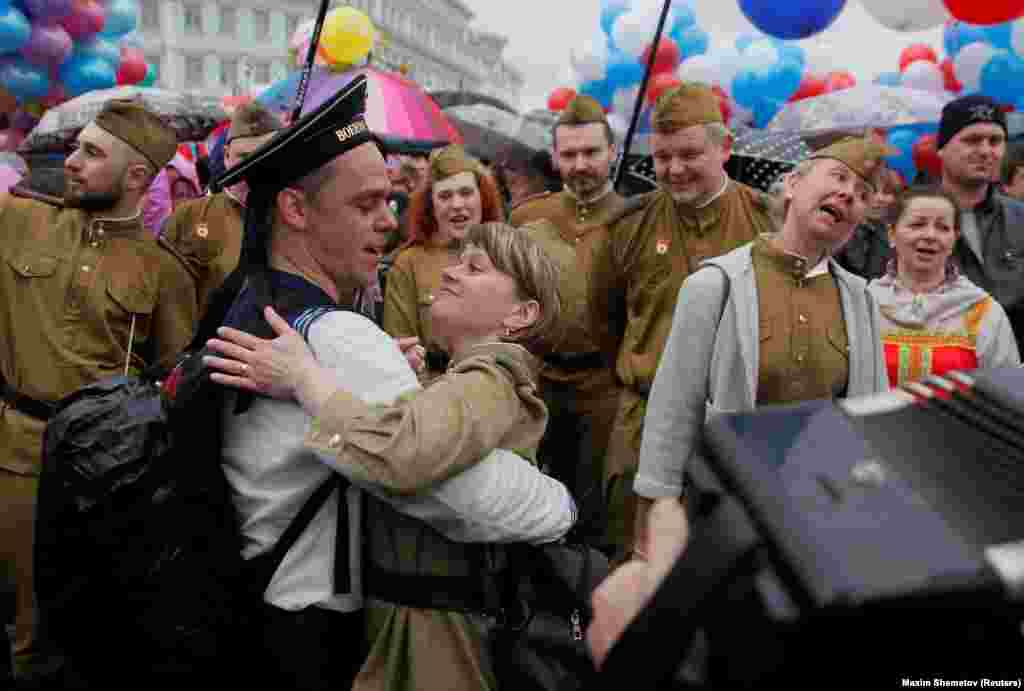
(775, 321)
(459, 193)
(933, 318)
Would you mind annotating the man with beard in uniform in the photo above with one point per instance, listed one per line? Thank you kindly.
(207, 232)
(86, 293)
(578, 386)
(642, 257)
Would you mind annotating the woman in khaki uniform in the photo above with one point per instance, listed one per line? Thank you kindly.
(459, 193)
(494, 309)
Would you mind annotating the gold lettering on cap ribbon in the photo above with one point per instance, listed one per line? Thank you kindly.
(349, 131)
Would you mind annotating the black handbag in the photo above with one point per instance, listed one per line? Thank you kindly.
(538, 643)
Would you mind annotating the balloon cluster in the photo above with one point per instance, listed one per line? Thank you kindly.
(346, 39)
(754, 76)
(52, 50)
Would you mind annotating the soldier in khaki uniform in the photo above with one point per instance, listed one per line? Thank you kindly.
(207, 232)
(776, 321)
(578, 386)
(643, 255)
(87, 293)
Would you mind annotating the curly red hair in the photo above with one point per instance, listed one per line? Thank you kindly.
(421, 222)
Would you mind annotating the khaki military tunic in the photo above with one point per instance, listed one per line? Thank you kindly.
(207, 234)
(803, 350)
(582, 401)
(486, 400)
(412, 282)
(640, 262)
(80, 297)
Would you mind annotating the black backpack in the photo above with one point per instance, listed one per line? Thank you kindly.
(138, 546)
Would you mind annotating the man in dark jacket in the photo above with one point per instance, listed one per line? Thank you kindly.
(972, 142)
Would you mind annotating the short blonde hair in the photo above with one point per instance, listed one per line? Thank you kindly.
(515, 254)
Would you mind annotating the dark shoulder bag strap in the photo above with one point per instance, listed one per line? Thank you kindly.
(266, 565)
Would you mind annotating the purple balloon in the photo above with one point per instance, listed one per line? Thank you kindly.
(48, 10)
(49, 44)
(22, 120)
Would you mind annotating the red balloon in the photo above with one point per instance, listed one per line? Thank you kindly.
(918, 51)
(724, 102)
(86, 19)
(560, 98)
(837, 81)
(926, 156)
(133, 66)
(660, 83)
(985, 11)
(949, 76)
(812, 85)
(667, 57)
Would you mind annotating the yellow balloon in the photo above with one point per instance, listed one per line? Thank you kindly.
(347, 36)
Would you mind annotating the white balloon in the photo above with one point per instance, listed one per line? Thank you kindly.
(699, 68)
(924, 75)
(634, 30)
(907, 15)
(1017, 36)
(630, 34)
(590, 60)
(619, 124)
(969, 63)
(761, 53)
(624, 100)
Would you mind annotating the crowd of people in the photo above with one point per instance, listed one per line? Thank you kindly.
(496, 359)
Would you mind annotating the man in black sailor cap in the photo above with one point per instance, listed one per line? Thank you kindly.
(317, 220)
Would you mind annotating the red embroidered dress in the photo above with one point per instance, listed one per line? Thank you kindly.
(957, 326)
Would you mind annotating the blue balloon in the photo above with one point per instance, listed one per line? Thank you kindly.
(1002, 76)
(122, 17)
(25, 81)
(743, 41)
(792, 52)
(999, 35)
(82, 73)
(792, 19)
(685, 17)
(765, 110)
(623, 72)
(102, 47)
(903, 138)
(691, 41)
(746, 88)
(600, 91)
(15, 28)
(610, 11)
(889, 79)
(781, 80)
(958, 34)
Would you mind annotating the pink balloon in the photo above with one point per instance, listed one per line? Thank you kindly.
(10, 139)
(86, 19)
(49, 44)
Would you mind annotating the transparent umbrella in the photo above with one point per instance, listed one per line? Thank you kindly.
(191, 117)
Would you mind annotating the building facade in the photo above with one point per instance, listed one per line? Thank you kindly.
(237, 46)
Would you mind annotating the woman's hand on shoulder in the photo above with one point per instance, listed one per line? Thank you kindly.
(277, 367)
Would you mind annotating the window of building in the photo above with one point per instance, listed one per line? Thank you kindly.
(291, 25)
(193, 13)
(260, 24)
(229, 71)
(194, 71)
(261, 72)
(149, 14)
(228, 20)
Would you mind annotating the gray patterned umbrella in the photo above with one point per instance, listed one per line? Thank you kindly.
(192, 117)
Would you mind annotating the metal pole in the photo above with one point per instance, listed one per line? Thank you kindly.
(314, 43)
(638, 109)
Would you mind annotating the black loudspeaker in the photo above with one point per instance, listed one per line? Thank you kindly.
(873, 540)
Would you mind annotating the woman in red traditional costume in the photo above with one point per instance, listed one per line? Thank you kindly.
(935, 320)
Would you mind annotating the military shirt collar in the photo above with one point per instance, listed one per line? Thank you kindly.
(583, 209)
(106, 224)
(701, 219)
(787, 262)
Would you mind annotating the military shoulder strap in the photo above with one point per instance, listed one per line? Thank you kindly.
(25, 192)
(530, 199)
(630, 206)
